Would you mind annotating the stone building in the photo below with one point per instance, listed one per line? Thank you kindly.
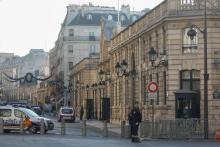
(80, 34)
(179, 65)
(11, 66)
(35, 62)
(83, 77)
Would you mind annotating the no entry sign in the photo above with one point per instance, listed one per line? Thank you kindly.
(152, 87)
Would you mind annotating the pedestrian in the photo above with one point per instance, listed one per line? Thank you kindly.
(135, 118)
(81, 113)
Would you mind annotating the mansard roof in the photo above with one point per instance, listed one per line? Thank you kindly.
(94, 18)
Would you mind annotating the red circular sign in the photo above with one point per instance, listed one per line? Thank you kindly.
(152, 87)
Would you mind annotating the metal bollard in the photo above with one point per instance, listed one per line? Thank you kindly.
(42, 127)
(105, 129)
(63, 127)
(21, 126)
(1, 126)
(84, 127)
(123, 129)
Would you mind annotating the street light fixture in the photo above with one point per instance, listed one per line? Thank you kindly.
(121, 70)
(192, 34)
(152, 55)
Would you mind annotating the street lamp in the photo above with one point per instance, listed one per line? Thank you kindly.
(152, 55)
(121, 70)
(104, 77)
(77, 92)
(192, 33)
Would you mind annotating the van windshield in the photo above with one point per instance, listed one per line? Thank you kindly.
(30, 113)
(67, 111)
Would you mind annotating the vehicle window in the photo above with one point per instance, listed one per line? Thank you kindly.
(67, 111)
(30, 113)
(5, 112)
(18, 113)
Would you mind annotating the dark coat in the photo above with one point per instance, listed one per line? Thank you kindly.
(135, 116)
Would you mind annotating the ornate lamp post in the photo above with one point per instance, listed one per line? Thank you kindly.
(77, 93)
(192, 34)
(104, 77)
(121, 70)
(152, 55)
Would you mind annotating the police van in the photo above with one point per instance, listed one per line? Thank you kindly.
(12, 119)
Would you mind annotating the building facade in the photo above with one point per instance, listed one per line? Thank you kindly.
(179, 63)
(80, 34)
(84, 91)
(36, 62)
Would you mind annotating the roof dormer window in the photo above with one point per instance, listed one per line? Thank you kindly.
(109, 17)
(122, 18)
(89, 17)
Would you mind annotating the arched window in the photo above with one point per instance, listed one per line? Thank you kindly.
(190, 45)
(110, 17)
(89, 17)
(122, 18)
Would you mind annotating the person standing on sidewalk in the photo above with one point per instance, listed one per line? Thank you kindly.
(135, 118)
(81, 112)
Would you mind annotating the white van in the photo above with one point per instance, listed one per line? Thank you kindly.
(12, 116)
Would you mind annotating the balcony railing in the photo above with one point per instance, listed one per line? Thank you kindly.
(81, 38)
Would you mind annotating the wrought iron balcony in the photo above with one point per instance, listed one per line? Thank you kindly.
(81, 38)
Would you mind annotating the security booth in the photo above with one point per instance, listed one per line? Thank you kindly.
(187, 104)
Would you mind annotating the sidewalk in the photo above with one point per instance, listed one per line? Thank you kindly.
(112, 128)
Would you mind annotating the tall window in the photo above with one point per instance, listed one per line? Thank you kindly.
(190, 79)
(190, 45)
(70, 49)
(71, 32)
(70, 65)
(157, 78)
(91, 36)
(89, 17)
(165, 87)
(92, 49)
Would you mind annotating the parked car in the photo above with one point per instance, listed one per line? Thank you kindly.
(37, 109)
(66, 113)
(12, 118)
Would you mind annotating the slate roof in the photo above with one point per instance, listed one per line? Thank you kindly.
(96, 19)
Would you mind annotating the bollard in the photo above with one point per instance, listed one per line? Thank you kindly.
(84, 127)
(63, 127)
(1, 126)
(42, 127)
(21, 126)
(122, 129)
(105, 129)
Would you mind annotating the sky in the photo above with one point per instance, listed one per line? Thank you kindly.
(35, 24)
